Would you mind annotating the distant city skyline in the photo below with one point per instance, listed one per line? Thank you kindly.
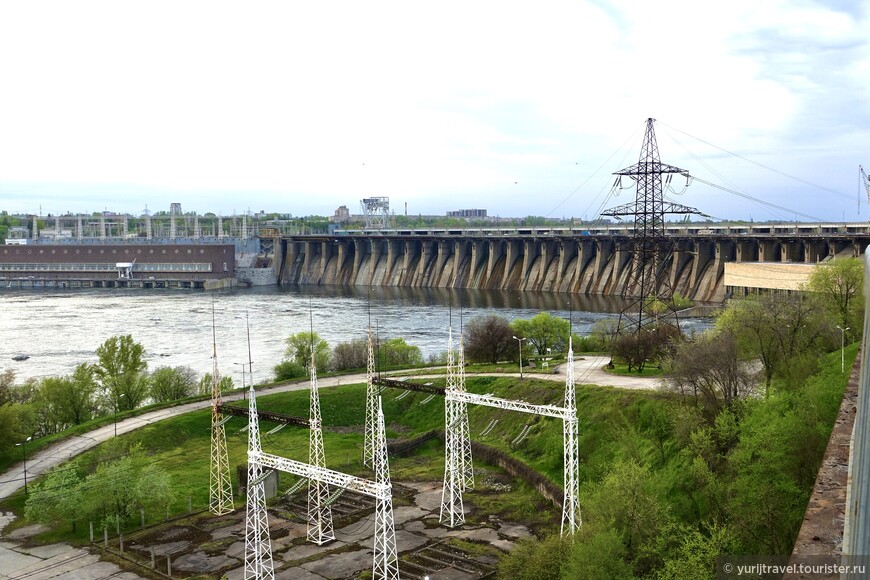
(519, 109)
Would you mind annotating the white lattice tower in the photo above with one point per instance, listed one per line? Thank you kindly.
(465, 462)
(220, 487)
(386, 560)
(320, 528)
(258, 545)
(370, 442)
(571, 518)
(452, 512)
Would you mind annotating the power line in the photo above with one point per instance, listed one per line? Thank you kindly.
(594, 173)
(756, 200)
(762, 165)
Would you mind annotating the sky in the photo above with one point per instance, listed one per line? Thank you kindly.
(520, 108)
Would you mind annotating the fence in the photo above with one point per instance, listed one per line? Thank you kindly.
(856, 532)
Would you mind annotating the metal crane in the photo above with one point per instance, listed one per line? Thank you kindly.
(865, 180)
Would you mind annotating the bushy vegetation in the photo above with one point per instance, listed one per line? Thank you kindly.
(118, 382)
(727, 466)
(108, 491)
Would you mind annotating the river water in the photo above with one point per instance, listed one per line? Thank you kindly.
(59, 329)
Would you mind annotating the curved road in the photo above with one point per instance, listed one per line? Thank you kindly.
(587, 370)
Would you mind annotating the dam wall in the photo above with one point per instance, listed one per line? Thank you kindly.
(581, 264)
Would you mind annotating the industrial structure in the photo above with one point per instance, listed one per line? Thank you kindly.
(258, 555)
(458, 469)
(320, 529)
(376, 211)
(651, 251)
(220, 486)
(370, 441)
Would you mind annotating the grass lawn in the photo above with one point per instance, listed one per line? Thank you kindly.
(622, 369)
(181, 444)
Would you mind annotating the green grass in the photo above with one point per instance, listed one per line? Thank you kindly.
(181, 444)
(502, 367)
(622, 369)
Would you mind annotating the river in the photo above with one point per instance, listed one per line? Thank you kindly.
(59, 329)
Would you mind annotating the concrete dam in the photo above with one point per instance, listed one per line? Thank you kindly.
(543, 260)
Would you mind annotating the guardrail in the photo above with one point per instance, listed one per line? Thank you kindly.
(856, 531)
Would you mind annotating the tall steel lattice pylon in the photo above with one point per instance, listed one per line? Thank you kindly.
(452, 512)
(370, 441)
(385, 559)
(220, 486)
(571, 518)
(258, 545)
(320, 528)
(466, 463)
(648, 281)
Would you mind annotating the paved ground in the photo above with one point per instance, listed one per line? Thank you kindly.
(17, 560)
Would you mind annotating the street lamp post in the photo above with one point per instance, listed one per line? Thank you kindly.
(244, 386)
(23, 446)
(116, 413)
(843, 348)
(520, 340)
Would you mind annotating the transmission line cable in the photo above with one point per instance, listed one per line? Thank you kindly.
(762, 165)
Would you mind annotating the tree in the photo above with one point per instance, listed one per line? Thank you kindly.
(7, 386)
(647, 344)
(605, 331)
(840, 286)
(709, 369)
(17, 423)
(288, 370)
(115, 491)
(172, 383)
(625, 500)
(63, 401)
(48, 405)
(352, 354)
(299, 347)
(58, 497)
(226, 384)
(777, 329)
(598, 553)
(397, 352)
(696, 554)
(489, 339)
(119, 368)
(80, 398)
(543, 331)
(535, 560)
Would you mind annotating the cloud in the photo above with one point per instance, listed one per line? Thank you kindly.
(302, 107)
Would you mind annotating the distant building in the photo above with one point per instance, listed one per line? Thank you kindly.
(341, 215)
(468, 213)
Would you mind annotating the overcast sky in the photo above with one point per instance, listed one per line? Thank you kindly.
(522, 108)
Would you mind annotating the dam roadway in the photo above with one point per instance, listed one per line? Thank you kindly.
(574, 260)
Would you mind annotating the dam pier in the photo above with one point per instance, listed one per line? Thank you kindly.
(706, 264)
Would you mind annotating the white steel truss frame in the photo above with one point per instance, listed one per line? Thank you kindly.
(454, 471)
(370, 436)
(320, 529)
(258, 544)
(220, 488)
(385, 562)
(451, 495)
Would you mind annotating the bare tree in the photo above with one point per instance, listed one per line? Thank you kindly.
(644, 346)
(489, 339)
(709, 369)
